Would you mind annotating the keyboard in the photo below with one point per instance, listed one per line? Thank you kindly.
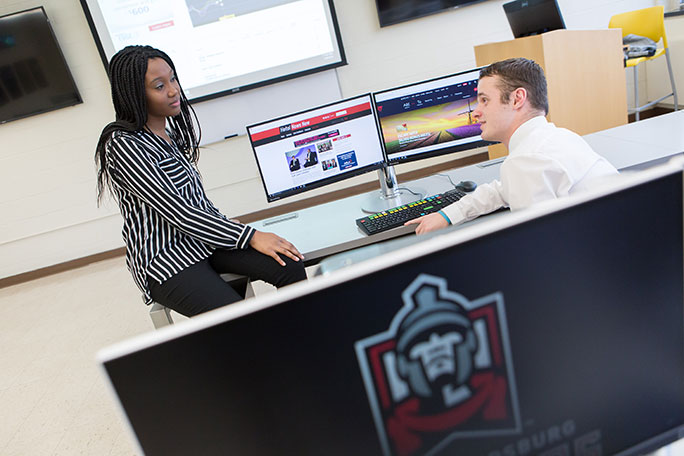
(397, 216)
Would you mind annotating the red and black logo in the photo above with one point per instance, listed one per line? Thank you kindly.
(442, 371)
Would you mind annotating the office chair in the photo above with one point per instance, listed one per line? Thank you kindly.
(650, 23)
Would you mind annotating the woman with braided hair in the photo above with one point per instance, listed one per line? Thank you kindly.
(177, 242)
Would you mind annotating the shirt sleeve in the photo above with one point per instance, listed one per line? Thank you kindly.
(137, 172)
(485, 199)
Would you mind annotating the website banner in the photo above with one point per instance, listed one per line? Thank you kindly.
(288, 127)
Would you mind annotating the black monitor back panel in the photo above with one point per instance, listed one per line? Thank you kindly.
(533, 17)
(561, 335)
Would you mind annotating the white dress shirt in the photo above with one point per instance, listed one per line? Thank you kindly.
(543, 162)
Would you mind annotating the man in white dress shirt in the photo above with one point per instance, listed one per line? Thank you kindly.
(543, 161)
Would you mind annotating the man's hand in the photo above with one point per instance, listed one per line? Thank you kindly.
(427, 223)
(271, 244)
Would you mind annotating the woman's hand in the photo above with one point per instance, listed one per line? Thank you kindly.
(271, 244)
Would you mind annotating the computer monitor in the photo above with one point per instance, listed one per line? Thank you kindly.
(533, 17)
(429, 118)
(556, 330)
(425, 119)
(316, 147)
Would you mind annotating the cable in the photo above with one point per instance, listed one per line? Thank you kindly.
(448, 177)
(409, 190)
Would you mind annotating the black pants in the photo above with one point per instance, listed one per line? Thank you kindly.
(199, 288)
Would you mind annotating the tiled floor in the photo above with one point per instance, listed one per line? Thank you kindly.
(53, 399)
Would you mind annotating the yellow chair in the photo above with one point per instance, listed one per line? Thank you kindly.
(648, 22)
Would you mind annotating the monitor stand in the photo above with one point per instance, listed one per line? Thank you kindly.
(390, 195)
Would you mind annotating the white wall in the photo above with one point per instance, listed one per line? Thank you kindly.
(47, 189)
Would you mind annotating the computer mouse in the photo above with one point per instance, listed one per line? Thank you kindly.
(466, 186)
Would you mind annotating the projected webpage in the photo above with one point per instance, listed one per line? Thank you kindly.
(218, 45)
(429, 117)
(316, 147)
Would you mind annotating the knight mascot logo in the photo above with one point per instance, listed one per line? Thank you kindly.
(442, 371)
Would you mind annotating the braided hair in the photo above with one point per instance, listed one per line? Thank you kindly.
(127, 70)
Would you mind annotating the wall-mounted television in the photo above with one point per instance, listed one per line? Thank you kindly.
(34, 77)
(395, 11)
(220, 48)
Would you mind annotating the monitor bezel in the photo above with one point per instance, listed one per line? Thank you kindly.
(65, 66)
(433, 153)
(326, 181)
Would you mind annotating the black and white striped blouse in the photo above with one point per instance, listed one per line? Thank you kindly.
(169, 222)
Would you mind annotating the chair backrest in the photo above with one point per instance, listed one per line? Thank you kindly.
(648, 22)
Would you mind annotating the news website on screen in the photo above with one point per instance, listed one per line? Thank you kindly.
(315, 147)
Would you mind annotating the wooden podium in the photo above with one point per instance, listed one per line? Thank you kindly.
(584, 72)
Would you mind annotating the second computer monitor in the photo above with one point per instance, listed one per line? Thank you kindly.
(429, 118)
(316, 147)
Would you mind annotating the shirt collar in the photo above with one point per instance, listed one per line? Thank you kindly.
(523, 131)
